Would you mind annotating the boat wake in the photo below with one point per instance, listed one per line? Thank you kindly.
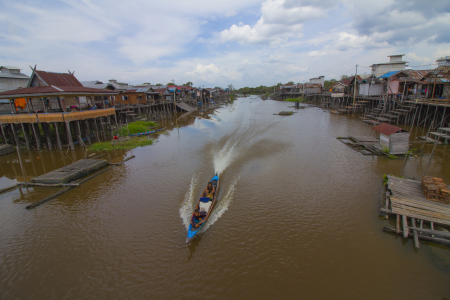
(189, 202)
(224, 157)
(223, 203)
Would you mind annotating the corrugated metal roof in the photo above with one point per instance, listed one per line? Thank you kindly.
(14, 75)
(389, 74)
(387, 129)
(58, 79)
(54, 90)
(416, 74)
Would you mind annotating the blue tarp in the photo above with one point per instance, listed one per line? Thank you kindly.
(389, 74)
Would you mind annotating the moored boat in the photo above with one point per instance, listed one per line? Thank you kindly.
(148, 132)
(204, 207)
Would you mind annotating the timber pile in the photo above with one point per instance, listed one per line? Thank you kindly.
(405, 199)
(435, 189)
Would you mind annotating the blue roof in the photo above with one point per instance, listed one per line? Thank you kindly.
(389, 74)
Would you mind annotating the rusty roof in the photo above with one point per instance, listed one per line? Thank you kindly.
(58, 79)
(49, 91)
(387, 129)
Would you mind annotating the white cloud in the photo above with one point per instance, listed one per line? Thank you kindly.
(208, 73)
(276, 25)
(230, 13)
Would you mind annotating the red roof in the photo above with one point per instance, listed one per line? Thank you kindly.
(55, 90)
(387, 129)
(58, 79)
(161, 91)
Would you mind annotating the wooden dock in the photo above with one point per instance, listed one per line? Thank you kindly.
(367, 145)
(71, 172)
(405, 199)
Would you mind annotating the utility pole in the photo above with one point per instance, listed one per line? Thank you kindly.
(354, 87)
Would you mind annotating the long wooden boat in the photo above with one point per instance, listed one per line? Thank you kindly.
(204, 204)
(148, 132)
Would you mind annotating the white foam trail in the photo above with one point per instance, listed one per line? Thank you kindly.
(224, 157)
(189, 202)
(223, 203)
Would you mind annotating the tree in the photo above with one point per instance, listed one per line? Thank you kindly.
(290, 83)
(189, 83)
(230, 87)
(218, 88)
(158, 84)
(170, 83)
(344, 77)
(329, 83)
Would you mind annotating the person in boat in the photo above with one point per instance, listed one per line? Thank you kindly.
(209, 191)
(198, 218)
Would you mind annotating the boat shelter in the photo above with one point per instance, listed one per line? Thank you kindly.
(394, 138)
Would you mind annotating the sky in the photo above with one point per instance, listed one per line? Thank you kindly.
(217, 43)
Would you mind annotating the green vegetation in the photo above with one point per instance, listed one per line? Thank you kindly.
(385, 150)
(137, 127)
(129, 143)
(392, 156)
(295, 99)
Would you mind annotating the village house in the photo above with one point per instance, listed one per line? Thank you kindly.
(395, 64)
(137, 96)
(319, 80)
(11, 78)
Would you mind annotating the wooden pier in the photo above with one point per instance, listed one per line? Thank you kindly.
(416, 216)
(71, 172)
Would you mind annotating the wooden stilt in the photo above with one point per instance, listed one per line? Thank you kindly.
(69, 136)
(16, 138)
(26, 135)
(96, 129)
(88, 138)
(78, 133)
(4, 135)
(108, 119)
(37, 135)
(45, 126)
(405, 226)
(58, 138)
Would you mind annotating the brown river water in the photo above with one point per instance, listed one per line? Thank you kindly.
(296, 218)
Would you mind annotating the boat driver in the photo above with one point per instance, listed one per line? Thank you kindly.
(198, 218)
(209, 191)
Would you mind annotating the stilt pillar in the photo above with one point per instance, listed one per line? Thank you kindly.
(26, 135)
(37, 135)
(69, 136)
(58, 138)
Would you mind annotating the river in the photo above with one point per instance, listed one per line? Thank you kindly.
(296, 218)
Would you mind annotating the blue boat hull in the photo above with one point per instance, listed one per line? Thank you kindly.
(191, 231)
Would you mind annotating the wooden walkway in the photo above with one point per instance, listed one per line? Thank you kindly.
(405, 199)
(367, 145)
(71, 172)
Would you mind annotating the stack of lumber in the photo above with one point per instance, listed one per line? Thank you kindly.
(435, 189)
(407, 199)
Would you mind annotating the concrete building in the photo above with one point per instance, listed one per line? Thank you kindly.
(443, 61)
(318, 80)
(11, 78)
(120, 86)
(395, 64)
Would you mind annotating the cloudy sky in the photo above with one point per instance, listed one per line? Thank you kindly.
(215, 43)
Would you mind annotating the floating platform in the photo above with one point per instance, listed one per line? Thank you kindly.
(405, 199)
(6, 149)
(366, 145)
(71, 172)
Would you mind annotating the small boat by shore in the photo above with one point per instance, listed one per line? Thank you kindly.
(205, 205)
(148, 132)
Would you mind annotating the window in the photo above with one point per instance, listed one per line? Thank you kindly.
(124, 97)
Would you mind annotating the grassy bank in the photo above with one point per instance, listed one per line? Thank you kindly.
(295, 99)
(137, 127)
(126, 144)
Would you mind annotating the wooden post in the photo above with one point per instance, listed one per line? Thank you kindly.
(96, 129)
(4, 135)
(69, 136)
(415, 234)
(37, 135)
(45, 126)
(405, 227)
(58, 138)
(16, 138)
(88, 138)
(434, 88)
(397, 224)
(78, 133)
(26, 135)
